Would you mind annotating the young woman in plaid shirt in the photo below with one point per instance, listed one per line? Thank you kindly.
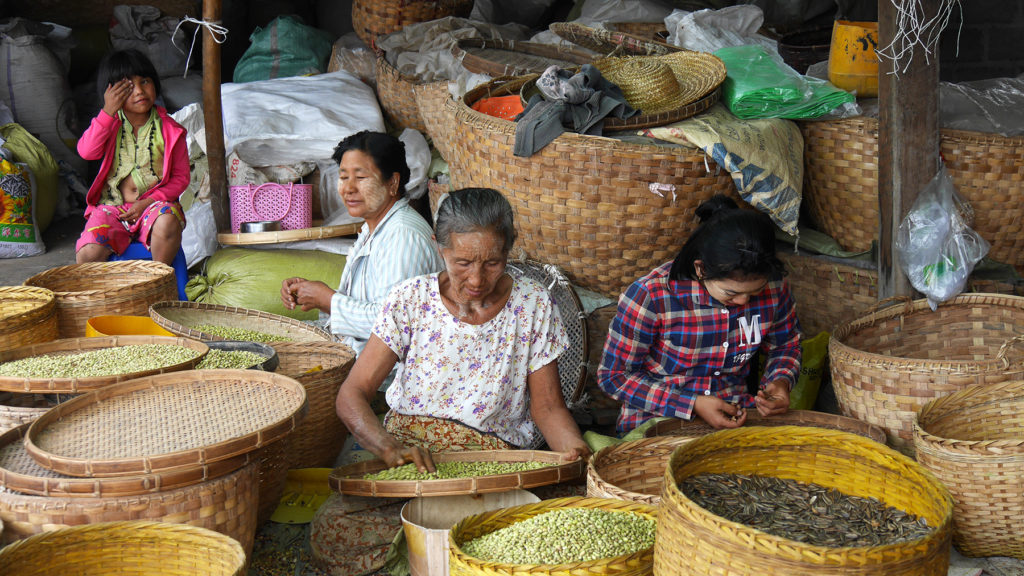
(683, 338)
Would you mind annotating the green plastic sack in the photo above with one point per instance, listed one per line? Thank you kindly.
(286, 47)
(28, 149)
(251, 278)
(813, 352)
(758, 85)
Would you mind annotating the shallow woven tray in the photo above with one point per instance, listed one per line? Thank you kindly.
(179, 317)
(76, 345)
(20, 473)
(314, 233)
(636, 564)
(608, 42)
(28, 315)
(349, 479)
(632, 470)
(17, 409)
(698, 427)
(126, 547)
(499, 57)
(164, 423)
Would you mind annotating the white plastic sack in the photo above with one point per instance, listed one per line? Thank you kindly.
(625, 10)
(145, 29)
(285, 120)
(199, 238)
(710, 30)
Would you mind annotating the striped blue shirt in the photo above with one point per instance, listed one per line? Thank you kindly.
(400, 248)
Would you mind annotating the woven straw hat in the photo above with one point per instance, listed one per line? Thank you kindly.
(658, 85)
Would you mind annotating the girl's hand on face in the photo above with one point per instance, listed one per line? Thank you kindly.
(116, 95)
(718, 413)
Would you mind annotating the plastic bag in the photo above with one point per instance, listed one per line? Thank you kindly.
(937, 250)
(287, 47)
(19, 235)
(813, 352)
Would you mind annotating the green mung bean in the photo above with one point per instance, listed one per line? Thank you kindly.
(243, 334)
(99, 362)
(565, 535)
(448, 470)
(230, 360)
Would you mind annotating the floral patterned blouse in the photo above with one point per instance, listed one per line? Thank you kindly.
(473, 374)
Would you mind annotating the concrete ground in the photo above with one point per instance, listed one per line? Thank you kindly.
(60, 240)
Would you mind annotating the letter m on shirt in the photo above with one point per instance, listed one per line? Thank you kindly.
(750, 330)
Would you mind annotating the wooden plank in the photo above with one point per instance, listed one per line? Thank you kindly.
(908, 143)
(213, 119)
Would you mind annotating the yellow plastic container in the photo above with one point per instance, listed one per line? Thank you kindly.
(852, 60)
(123, 326)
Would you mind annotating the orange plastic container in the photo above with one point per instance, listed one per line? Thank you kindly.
(852, 60)
(123, 326)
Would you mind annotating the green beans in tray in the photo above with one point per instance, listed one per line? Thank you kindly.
(100, 362)
(244, 334)
(449, 470)
(230, 360)
(565, 535)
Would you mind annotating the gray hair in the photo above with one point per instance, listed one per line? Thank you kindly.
(471, 209)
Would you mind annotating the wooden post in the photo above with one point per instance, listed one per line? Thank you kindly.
(213, 119)
(908, 143)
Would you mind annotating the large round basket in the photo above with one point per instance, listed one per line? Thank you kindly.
(371, 18)
(127, 548)
(973, 440)
(120, 288)
(633, 470)
(584, 203)
(397, 96)
(698, 427)
(886, 365)
(181, 317)
(320, 367)
(28, 315)
(841, 158)
(69, 346)
(692, 540)
(430, 99)
(477, 525)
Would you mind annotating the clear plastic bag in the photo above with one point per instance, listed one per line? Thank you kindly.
(937, 249)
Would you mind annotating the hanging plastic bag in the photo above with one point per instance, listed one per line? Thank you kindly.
(937, 249)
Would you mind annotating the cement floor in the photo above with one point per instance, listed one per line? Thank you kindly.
(59, 238)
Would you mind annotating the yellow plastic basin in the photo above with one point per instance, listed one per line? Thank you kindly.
(852, 61)
(123, 326)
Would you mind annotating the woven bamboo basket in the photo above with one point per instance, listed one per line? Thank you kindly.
(633, 470)
(126, 547)
(180, 317)
(120, 288)
(973, 441)
(584, 203)
(430, 99)
(226, 504)
(320, 367)
(28, 315)
(647, 30)
(435, 190)
(887, 364)
(397, 97)
(477, 525)
(841, 158)
(808, 418)
(18, 409)
(371, 18)
(272, 463)
(692, 540)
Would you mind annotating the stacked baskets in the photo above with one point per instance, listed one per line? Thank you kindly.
(28, 315)
(371, 18)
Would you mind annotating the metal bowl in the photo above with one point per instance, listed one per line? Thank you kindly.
(268, 365)
(261, 226)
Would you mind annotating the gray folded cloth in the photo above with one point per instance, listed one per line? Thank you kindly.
(577, 102)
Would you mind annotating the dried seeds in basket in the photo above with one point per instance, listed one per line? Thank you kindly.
(446, 470)
(101, 362)
(242, 334)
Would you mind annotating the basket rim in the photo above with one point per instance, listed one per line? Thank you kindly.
(599, 460)
(282, 425)
(836, 346)
(647, 510)
(75, 385)
(46, 299)
(955, 402)
(460, 50)
(113, 487)
(348, 479)
(871, 123)
(336, 348)
(875, 432)
(106, 293)
(794, 549)
(155, 312)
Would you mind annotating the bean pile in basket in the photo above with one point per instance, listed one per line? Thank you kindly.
(449, 470)
(243, 334)
(101, 362)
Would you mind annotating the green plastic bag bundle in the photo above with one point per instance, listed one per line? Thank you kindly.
(251, 278)
(286, 47)
(813, 352)
(758, 85)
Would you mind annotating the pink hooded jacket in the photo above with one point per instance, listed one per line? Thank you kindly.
(99, 141)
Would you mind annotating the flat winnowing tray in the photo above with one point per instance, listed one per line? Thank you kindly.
(169, 422)
(349, 479)
(179, 317)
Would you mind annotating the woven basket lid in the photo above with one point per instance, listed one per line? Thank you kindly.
(179, 317)
(698, 427)
(169, 422)
(608, 42)
(77, 345)
(349, 479)
(20, 473)
(510, 58)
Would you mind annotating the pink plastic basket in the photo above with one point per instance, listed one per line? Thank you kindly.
(291, 204)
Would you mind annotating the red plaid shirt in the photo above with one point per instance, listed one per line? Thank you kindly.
(670, 341)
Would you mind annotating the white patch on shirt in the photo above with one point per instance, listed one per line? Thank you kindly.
(750, 331)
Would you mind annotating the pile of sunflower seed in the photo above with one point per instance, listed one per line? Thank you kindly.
(449, 470)
(229, 360)
(231, 333)
(565, 535)
(803, 511)
(100, 362)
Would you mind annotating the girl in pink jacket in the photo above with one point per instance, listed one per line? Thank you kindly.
(144, 170)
